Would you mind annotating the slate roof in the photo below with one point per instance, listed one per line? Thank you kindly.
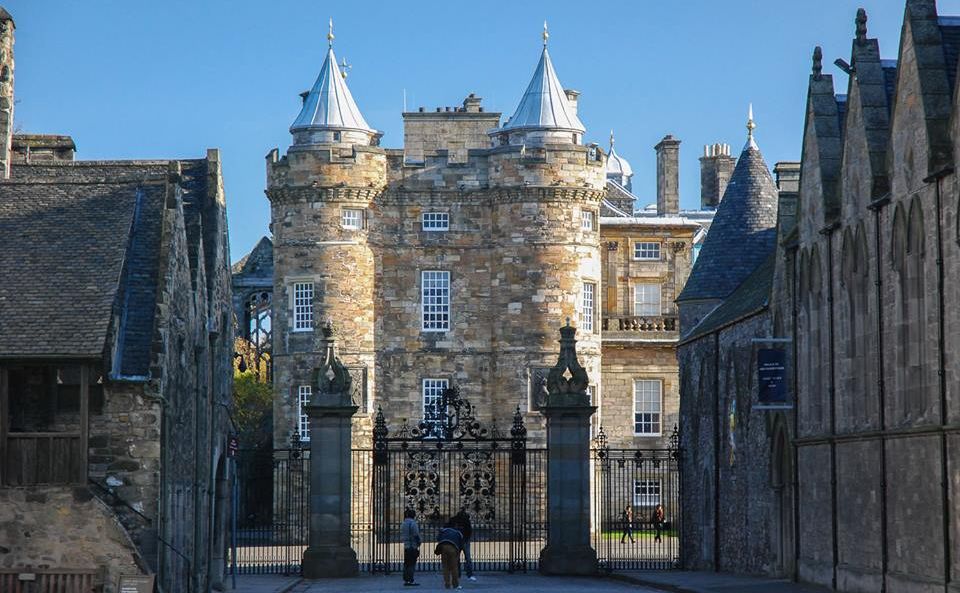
(65, 244)
(256, 262)
(950, 34)
(544, 105)
(742, 233)
(329, 104)
(751, 297)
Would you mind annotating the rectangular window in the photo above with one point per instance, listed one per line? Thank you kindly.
(302, 306)
(351, 218)
(647, 407)
(303, 420)
(435, 299)
(646, 493)
(646, 250)
(432, 397)
(646, 299)
(435, 221)
(586, 306)
(586, 220)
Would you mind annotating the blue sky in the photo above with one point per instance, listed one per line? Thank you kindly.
(163, 79)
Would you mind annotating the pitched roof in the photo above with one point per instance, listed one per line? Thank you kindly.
(544, 105)
(752, 296)
(742, 233)
(255, 262)
(329, 104)
(72, 237)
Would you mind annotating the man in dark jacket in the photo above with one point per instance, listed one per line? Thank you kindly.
(461, 521)
(410, 534)
(449, 544)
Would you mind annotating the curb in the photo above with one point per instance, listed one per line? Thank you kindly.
(290, 587)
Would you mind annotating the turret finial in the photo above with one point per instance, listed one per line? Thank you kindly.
(861, 24)
(344, 66)
(330, 33)
(751, 125)
(817, 62)
(611, 139)
(546, 35)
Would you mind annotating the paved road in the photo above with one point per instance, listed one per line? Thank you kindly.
(489, 582)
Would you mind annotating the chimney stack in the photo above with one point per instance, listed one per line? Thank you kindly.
(573, 98)
(668, 176)
(716, 167)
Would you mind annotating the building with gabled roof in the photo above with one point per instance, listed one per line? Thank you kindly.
(116, 343)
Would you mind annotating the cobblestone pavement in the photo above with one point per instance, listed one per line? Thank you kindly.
(490, 582)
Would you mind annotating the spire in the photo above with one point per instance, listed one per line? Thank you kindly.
(329, 104)
(618, 168)
(751, 143)
(544, 105)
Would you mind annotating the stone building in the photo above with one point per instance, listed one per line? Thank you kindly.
(115, 364)
(456, 258)
(856, 487)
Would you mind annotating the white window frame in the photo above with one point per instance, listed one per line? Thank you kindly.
(588, 306)
(435, 300)
(647, 408)
(351, 218)
(647, 250)
(303, 306)
(647, 493)
(304, 393)
(431, 391)
(435, 221)
(587, 218)
(656, 309)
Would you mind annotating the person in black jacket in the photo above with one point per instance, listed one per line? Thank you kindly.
(449, 544)
(461, 521)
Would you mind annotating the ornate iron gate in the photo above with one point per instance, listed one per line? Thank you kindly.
(636, 506)
(447, 463)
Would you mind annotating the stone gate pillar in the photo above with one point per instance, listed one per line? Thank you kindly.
(331, 409)
(568, 411)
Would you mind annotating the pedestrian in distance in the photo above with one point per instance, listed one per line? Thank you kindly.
(461, 521)
(658, 519)
(410, 534)
(626, 518)
(449, 544)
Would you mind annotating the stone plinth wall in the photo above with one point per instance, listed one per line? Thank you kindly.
(64, 528)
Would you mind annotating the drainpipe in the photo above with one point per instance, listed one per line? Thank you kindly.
(941, 372)
(881, 392)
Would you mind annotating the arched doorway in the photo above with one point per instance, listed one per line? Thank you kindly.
(781, 480)
(218, 531)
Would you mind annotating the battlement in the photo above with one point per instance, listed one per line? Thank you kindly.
(331, 165)
(549, 165)
(455, 130)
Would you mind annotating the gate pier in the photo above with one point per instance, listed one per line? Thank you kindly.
(568, 410)
(329, 553)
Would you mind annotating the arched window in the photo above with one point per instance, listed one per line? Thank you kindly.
(849, 331)
(913, 280)
(816, 341)
(863, 364)
(258, 329)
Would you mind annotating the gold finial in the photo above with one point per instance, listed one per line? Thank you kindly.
(546, 35)
(330, 33)
(750, 124)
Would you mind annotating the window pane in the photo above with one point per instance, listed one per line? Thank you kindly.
(435, 297)
(586, 220)
(647, 407)
(352, 219)
(646, 493)
(646, 250)
(432, 398)
(435, 221)
(646, 299)
(302, 306)
(586, 306)
(303, 398)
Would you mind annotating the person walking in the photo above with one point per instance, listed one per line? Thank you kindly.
(410, 534)
(461, 521)
(626, 517)
(658, 519)
(449, 544)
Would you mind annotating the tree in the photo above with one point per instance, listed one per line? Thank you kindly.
(252, 395)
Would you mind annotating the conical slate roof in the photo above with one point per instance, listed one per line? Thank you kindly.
(544, 104)
(329, 105)
(743, 232)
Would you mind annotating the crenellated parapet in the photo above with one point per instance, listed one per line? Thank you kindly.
(324, 166)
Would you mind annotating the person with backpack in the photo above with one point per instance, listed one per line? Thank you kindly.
(449, 544)
(461, 521)
(410, 535)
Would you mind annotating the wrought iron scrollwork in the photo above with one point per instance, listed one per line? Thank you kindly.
(676, 451)
(452, 419)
